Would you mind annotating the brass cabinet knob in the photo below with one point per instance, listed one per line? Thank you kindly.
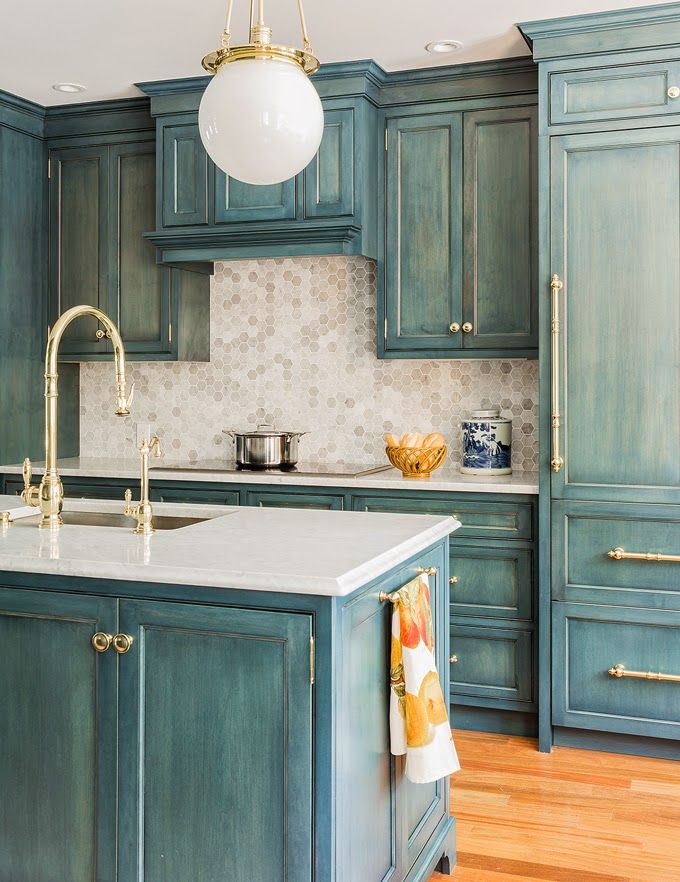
(467, 327)
(453, 580)
(101, 641)
(122, 643)
(673, 92)
(454, 327)
(453, 659)
(100, 334)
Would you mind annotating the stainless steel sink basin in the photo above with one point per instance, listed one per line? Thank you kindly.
(115, 519)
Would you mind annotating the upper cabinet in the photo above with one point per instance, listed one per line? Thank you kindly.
(459, 238)
(102, 199)
(329, 208)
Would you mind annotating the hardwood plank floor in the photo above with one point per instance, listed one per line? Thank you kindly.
(569, 816)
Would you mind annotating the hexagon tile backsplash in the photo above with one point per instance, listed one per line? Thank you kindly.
(293, 343)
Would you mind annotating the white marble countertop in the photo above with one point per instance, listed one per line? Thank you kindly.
(447, 478)
(292, 550)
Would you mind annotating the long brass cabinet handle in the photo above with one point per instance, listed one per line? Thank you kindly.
(621, 554)
(619, 671)
(122, 643)
(101, 641)
(556, 286)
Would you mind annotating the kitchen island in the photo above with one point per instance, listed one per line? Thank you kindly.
(210, 702)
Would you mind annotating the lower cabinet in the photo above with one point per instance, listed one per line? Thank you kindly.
(592, 644)
(203, 729)
(283, 499)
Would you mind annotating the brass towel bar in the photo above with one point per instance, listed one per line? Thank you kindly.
(393, 596)
(620, 671)
(621, 554)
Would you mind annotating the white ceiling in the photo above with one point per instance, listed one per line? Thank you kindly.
(108, 45)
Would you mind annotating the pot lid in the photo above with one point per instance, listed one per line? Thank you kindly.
(490, 413)
(264, 430)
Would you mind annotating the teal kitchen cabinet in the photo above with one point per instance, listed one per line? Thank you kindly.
(58, 735)
(203, 215)
(460, 233)
(283, 499)
(620, 309)
(102, 200)
(215, 746)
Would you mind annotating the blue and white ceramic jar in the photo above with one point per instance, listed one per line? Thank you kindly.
(487, 443)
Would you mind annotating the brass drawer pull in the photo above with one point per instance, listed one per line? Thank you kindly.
(427, 571)
(453, 659)
(619, 671)
(556, 286)
(122, 643)
(621, 554)
(101, 641)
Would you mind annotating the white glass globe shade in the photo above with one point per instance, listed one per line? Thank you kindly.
(261, 120)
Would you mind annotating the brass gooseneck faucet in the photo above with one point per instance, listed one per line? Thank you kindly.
(49, 496)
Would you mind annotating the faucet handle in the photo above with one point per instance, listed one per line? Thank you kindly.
(124, 401)
(128, 510)
(27, 473)
(155, 446)
(30, 494)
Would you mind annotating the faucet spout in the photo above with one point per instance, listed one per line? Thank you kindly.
(51, 493)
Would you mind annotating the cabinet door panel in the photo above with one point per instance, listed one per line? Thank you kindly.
(496, 582)
(185, 175)
(616, 244)
(79, 254)
(58, 737)
(500, 236)
(215, 744)
(423, 235)
(142, 300)
(236, 201)
(329, 178)
(281, 499)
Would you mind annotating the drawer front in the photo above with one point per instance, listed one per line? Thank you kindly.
(196, 495)
(590, 640)
(485, 520)
(634, 90)
(272, 499)
(494, 582)
(585, 534)
(493, 666)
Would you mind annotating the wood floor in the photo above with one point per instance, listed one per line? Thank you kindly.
(569, 816)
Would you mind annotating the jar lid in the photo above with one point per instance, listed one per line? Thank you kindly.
(491, 413)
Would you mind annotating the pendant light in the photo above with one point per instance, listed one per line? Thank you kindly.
(260, 118)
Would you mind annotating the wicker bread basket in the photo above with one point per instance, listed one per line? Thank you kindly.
(416, 462)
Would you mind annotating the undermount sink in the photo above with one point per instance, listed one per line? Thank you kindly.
(115, 519)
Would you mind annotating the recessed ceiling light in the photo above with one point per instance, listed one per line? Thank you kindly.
(441, 46)
(68, 87)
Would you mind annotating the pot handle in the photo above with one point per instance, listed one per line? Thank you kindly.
(291, 435)
(230, 432)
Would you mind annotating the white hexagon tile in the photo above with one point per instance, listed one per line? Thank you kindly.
(293, 343)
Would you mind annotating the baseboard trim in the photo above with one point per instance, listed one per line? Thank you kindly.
(612, 742)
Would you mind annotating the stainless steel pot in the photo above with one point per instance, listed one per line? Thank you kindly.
(265, 448)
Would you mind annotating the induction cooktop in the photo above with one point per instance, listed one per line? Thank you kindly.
(303, 469)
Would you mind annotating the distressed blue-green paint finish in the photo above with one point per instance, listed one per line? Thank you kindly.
(494, 664)
(620, 407)
(183, 186)
(496, 581)
(329, 178)
(236, 201)
(584, 533)
(282, 499)
(423, 220)
(588, 640)
(500, 229)
(57, 729)
(217, 724)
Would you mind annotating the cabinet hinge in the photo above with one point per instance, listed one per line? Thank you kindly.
(385, 137)
(312, 661)
(49, 169)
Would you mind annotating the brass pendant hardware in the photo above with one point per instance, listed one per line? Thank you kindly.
(454, 327)
(453, 659)
(619, 671)
(101, 641)
(122, 643)
(260, 45)
(453, 580)
(427, 571)
(620, 554)
(556, 286)
(673, 92)
(467, 327)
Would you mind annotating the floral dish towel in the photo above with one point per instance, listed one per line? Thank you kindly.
(419, 720)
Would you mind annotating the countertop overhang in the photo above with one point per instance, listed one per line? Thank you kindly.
(298, 551)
